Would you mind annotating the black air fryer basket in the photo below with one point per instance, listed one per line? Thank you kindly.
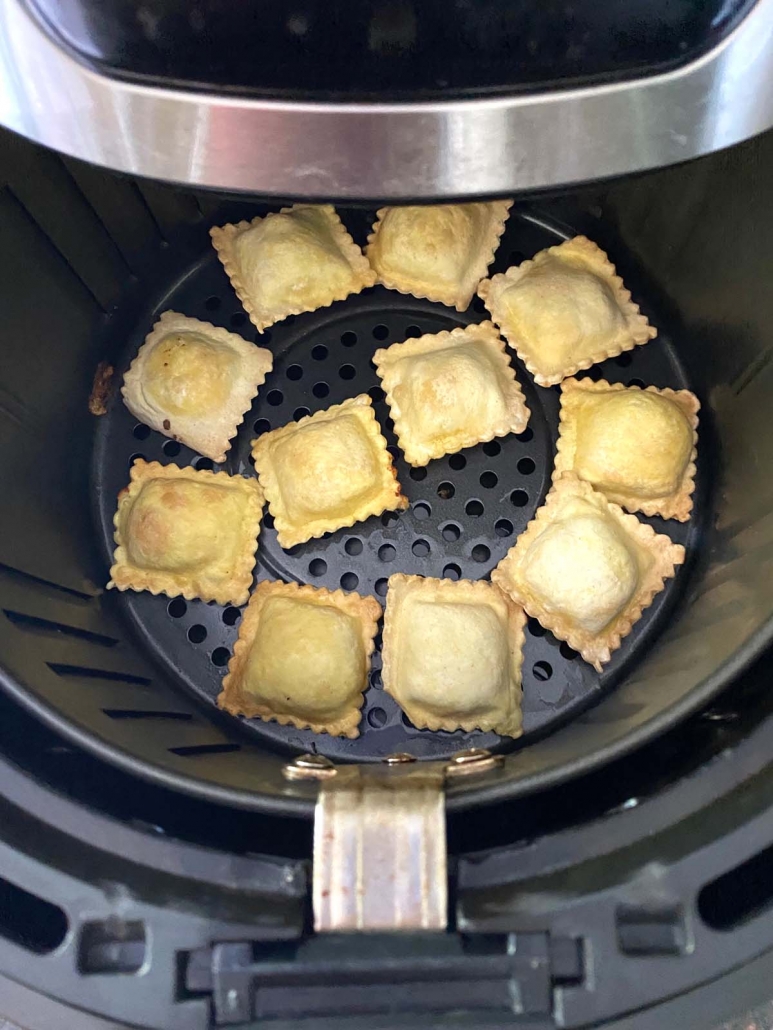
(465, 512)
(466, 509)
(148, 835)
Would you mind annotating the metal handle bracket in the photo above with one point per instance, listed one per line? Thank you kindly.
(380, 858)
(380, 849)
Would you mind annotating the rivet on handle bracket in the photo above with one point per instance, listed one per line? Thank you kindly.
(309, 767)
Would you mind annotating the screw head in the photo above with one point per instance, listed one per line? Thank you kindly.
(470, 755)
(401, 758)
(309, 767)
(472, 761)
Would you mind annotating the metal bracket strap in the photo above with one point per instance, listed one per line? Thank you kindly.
(380, 849)
(380, 839)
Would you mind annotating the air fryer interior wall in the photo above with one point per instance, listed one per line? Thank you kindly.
(81, 246)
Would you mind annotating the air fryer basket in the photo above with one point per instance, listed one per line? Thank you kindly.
(466, 509)
(81, 244)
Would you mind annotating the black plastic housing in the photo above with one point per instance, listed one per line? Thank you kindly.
(380, 49)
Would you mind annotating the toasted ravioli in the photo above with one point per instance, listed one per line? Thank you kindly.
(327, 471)
(180, 531)
(302, 658)
(586, 570)
(298, 259)
(638, 447)
(193, 382)
(564, 310)
(453, 653)
(437, 251)
(450, 391)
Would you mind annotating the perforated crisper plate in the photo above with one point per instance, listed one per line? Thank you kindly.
(466, 509)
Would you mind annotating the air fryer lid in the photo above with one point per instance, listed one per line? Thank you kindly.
(380, 49)
(389, 99)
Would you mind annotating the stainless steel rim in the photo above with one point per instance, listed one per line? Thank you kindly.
(391, 151)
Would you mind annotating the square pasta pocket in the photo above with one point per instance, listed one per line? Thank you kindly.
(193, 382)
(586, 570)
(188, 532)
(638, 447)
(437, 251)
(450, 391)
(298, 259)
(302, 658)
(564, 310)
(327, 471)
(453, 653)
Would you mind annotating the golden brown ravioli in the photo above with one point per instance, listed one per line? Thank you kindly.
(449, 391)
(302, 658)
(193, 382)
(437, 251)
(327, 471)
(453, 653)
(586, 570)
(294, 260)
(565, 310)
(185, 532)
(638, 447)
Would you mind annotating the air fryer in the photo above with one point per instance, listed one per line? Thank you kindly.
(157, 853)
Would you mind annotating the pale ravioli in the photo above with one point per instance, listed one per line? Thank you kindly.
(638, 447)
(327, 471)
(453, 653)
(302, 658)
(298, 259)
(565, 310)
(185, 532)
(438, 251)
(449, 391)
(586, 570)
(193, 382)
